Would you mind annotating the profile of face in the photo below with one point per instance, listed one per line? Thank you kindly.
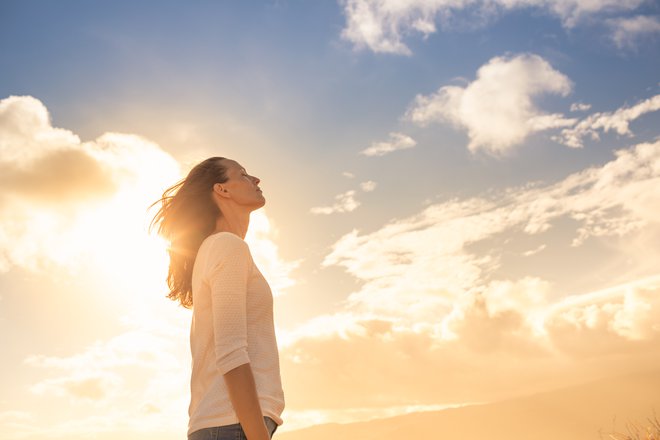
(240, 188)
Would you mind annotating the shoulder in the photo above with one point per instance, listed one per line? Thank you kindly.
(226, 244)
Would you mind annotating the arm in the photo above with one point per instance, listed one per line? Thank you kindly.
(243, 395)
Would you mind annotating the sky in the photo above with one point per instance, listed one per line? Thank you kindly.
(461, 199)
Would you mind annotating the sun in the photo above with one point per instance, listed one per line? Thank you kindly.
(111, 237)
(123, 247)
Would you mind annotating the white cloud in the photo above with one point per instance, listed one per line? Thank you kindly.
(24, 122)
(379, 25)
(531, 252)
(514, 326)
(497, 108)
(59, 192)
(397, 141)
(368, 186)
(345, 202)
(143, 347)
(15, 416)
(618, 121)
(580, 107)
(612, 200)
(348, 175)
(599, 322)
(136, 379)
(86, 388)
(382, 25)
(428, 255)
(628, 31)
(437, 289)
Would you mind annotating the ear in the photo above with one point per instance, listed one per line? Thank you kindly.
(220, 190)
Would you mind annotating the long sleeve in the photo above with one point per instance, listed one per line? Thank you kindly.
(229, 269)
(232, 325)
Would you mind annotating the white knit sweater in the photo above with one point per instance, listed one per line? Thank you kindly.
(232, 325)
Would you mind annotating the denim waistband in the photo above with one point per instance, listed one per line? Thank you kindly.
(232, 432)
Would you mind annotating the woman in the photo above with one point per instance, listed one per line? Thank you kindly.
(236, 390)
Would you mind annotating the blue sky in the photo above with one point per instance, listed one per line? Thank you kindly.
(501, 187)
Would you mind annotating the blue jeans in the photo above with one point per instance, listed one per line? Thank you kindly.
(229, 432)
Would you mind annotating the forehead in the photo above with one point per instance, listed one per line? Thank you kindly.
(232, 165)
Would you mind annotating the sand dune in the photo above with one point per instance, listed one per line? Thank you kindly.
(576, 413)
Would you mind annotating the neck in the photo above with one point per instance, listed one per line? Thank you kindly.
(236, 222)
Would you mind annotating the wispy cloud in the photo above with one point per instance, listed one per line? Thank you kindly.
(531, 252)
(382, 25)
(86, 388)
(429, 251)
(368, 186)
(346, 201)
(580, 107)
(135, 379)
(497, 108)
(440, 288)
(628, 31)
(397, 141)
(618, 121)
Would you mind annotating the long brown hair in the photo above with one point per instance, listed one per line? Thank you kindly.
(188, 215)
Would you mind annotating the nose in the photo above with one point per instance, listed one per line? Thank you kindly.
(256, 180)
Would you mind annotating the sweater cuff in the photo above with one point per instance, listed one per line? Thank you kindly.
(232, 360)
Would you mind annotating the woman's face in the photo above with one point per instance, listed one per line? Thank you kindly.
(240, 187)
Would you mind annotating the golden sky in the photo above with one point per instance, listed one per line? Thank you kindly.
(445, 223)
